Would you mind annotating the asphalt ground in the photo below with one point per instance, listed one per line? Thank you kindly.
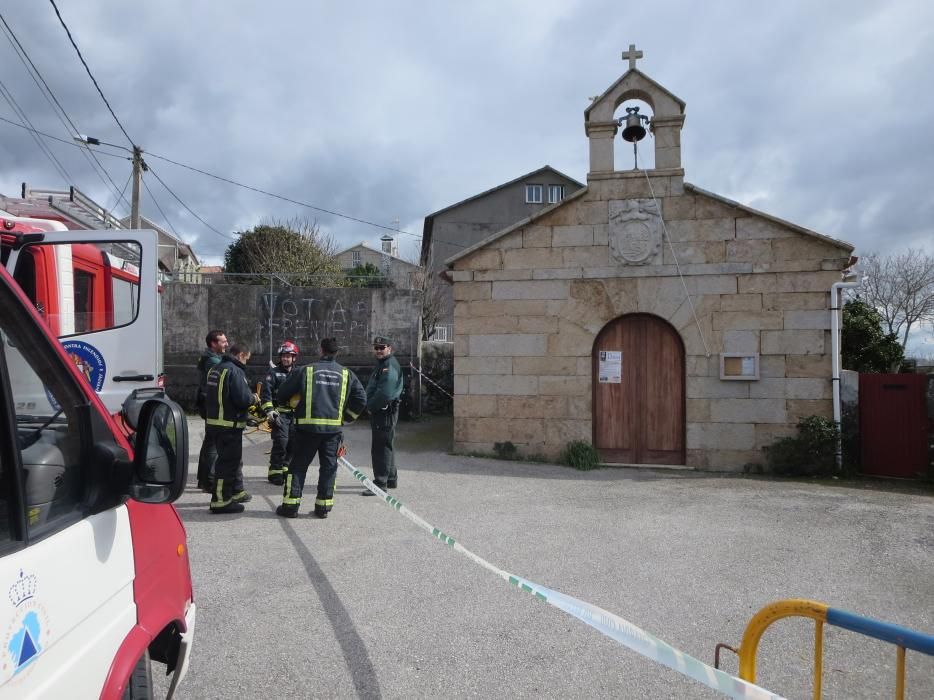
(366, 604)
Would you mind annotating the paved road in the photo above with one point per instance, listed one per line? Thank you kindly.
(365, 604)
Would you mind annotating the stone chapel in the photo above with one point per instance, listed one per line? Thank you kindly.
(663, 323)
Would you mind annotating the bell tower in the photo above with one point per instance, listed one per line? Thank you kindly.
(601, 126)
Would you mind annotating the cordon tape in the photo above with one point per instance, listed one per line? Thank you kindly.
(613, 626)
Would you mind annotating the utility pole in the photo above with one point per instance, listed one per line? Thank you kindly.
(138, 167)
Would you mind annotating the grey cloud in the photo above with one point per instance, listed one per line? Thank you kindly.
(390, 112)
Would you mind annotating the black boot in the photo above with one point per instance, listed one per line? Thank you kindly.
(232, 507)
(285, 511)
(321, 512)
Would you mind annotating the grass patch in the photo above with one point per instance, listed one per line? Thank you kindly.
(580, 455)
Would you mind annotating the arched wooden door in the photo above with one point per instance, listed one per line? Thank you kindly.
(638, 392)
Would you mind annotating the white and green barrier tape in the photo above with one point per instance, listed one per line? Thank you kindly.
(613, 626)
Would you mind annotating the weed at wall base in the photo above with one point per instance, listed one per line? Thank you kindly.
(581, 455)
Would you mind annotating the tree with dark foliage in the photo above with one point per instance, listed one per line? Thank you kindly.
(865, 347)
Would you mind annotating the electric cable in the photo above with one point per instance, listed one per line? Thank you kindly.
(164, 217)
(279, 196)
(60, 140)
(189, 209)
(91, 75)
(120, 193)
(227, 180)
(47, 92)
(18, 111)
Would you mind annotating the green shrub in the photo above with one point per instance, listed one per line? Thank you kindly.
(811, 453)
(505, 450)
(581, 455)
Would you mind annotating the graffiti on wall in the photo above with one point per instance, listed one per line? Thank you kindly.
(308, 319)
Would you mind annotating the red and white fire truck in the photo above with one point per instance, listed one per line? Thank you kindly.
(93, 557)
(88, 291)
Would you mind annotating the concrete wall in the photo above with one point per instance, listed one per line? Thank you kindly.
(305, 315)
(530, 304)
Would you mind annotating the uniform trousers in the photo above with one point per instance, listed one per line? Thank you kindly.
(282, 433)
(306, 445)
(206, 458)
(228, 469)
(383, 433)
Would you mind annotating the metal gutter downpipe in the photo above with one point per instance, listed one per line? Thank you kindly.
(835, 309)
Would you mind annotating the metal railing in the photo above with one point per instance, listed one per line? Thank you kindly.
(902, 637)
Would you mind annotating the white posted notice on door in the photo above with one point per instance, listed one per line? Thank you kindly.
(611, 367)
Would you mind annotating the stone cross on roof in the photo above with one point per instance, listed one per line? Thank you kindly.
(632, 55)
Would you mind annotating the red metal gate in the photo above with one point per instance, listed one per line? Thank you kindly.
(893, 424)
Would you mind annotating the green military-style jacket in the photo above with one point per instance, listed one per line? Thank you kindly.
(384, 385)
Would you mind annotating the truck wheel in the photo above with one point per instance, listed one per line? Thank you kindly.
(139, 687)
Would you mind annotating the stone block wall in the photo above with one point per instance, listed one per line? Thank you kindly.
(529, 305)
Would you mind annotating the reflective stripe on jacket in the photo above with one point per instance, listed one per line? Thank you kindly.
(328, 395)
(228, 395)
(274, 379)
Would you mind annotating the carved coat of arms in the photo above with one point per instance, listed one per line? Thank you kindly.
(635, 231)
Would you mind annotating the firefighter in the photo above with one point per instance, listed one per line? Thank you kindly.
(279, 417)
(215, 347)
(228, 401)
(325, 395)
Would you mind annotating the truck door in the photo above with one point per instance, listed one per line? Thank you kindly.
(108, 312)
(66, 564)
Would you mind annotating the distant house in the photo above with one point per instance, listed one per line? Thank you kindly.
(210, 274)
(398, 271)
(177, 260)
(457, 227)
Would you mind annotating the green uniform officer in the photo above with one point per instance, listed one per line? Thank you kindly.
(382, 400)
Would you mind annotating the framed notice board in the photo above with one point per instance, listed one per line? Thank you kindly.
(739, 366)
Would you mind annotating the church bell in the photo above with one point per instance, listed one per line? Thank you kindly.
(634, 131)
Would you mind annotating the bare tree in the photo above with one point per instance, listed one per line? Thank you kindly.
(434, 299)
(901, 288)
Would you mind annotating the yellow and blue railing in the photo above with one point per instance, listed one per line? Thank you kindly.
(902, 637)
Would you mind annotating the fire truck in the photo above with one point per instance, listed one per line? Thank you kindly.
(84, 287)
(93, 557)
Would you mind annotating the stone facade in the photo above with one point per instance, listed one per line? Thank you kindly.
(530, 301)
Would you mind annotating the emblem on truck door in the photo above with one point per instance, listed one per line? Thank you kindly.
(26, 634)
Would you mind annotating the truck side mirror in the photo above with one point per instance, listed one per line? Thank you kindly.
(160, 462)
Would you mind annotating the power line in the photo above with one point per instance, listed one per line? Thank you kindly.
(18, 111)
(47, 93)
(91, 75)
(156, 202)
(120, 193)
(228, 181)
(179, 200)
(279, 196)
(35, 131)
(65, 141)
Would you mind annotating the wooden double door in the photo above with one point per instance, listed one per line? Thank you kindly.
(638, 392)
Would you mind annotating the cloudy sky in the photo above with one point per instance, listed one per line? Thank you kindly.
(819, 113)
